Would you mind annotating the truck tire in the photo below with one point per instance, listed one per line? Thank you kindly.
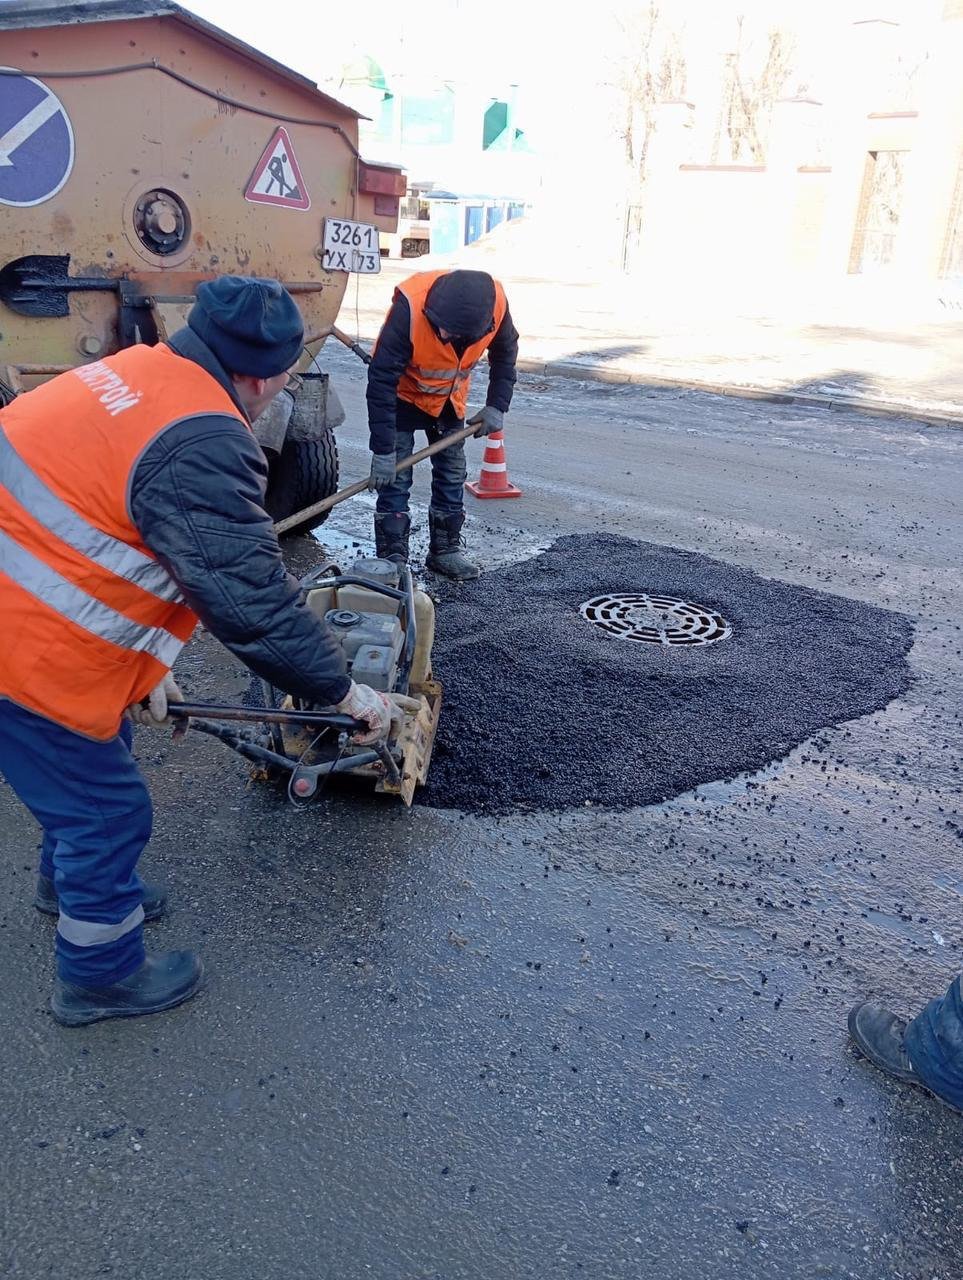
(305, 472)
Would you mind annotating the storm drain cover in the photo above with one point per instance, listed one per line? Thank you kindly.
(655, 619)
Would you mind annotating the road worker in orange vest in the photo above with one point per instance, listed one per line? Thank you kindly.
(440, 325)
(132, 505)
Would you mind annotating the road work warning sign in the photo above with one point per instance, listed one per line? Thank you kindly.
(277, 176)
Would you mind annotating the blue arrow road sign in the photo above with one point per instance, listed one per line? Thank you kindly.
(36, 141)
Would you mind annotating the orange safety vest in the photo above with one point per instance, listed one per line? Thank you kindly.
(89, 620)
(435, 373)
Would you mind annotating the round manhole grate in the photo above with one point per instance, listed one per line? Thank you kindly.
(655, 619)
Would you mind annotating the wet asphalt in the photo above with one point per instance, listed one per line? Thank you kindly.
(558, 1043)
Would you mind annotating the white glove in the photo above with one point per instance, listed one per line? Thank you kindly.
(367, 704)
(154, 715)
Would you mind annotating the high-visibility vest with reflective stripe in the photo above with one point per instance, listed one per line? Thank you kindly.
(89, 620)
(435, 373)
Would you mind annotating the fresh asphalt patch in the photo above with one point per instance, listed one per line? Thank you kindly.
(543, 710)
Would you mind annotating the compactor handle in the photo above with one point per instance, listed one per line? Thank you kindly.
(267, 715)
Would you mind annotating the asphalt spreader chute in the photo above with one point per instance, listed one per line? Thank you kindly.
(386, 628)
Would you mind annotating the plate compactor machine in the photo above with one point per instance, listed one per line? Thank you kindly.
(386, 627)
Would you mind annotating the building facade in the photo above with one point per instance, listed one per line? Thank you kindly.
(855, 172)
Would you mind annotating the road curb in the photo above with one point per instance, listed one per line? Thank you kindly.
(771, 395)
(768, 395)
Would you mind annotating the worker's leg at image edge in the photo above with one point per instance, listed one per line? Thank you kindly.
(93, 806)
(928, 1051)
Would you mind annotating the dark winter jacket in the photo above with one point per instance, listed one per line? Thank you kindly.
(386, 413)
(197, 497)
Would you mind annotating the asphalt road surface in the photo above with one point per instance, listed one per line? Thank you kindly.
(449, 1046)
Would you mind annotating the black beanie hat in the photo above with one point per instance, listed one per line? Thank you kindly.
(252, 326)
(463, 304)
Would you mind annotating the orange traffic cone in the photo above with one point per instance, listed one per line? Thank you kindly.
(493, 481)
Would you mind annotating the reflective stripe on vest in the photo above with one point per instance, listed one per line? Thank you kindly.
(453, 372)
(445, 375)
(91, 933)
(429, 389)
(71, 602)
(54, 514)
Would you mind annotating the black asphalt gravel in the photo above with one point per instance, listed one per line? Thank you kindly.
(545, 711)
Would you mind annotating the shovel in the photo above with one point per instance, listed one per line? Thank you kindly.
(352, 490)
(38, 285)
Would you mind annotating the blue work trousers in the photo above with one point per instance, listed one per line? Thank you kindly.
(95, 813)
(448, 472)
(934, 1042)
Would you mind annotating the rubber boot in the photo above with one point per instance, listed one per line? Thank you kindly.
(46, 900)
(445, 555)
(164, 980)
(391, 536)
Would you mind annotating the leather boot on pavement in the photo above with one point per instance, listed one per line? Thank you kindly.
(164, 980)
(46, 900)
(880, 1036)
(445, 555)
(391, 536)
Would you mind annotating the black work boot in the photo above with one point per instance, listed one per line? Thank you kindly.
(391, 535)
(878, 1035)
(162, 981)
(445, 555)
(46, 900)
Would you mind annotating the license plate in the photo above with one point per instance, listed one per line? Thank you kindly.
(350, 246)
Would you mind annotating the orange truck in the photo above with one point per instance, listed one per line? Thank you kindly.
(143, 151)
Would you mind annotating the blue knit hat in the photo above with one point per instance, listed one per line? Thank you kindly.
(252, 326)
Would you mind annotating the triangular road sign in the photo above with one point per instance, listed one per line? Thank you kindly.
(277, 176)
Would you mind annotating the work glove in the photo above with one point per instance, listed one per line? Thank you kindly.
(382, 471)
(152, 711)
(487, 420)
(367, 704)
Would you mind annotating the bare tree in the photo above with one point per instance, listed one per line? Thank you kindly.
(751, 92)
(652, 71)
